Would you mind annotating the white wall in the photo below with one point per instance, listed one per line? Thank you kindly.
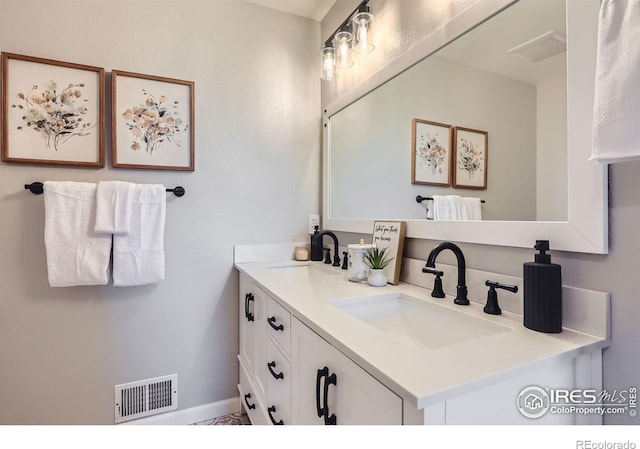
(614, 273)
(257, 177)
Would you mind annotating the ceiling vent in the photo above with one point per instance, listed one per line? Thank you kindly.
(541, 47)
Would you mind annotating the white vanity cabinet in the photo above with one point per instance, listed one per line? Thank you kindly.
(329, 388)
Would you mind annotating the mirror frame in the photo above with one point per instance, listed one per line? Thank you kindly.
(586, 229)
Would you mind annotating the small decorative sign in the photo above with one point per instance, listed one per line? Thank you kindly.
(390, 235)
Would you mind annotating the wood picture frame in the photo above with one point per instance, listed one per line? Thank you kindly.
(390, 235)
(431, 145)
(152, 122)
(52, 112)
(471, 154)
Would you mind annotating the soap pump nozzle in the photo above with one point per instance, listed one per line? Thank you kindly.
(542, 256)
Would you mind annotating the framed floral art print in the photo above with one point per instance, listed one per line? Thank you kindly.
(152, 120)
(52, 112)
(430, 153)
(471, 156)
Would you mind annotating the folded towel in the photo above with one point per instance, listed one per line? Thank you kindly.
(471, 208)
(138, 256)
(455, 207)
(113, 207)
(616, 134)
(447, 207)
(76, 255)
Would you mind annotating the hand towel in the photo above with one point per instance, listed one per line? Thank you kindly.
(471, 208)
(616, 134)
(138, 256)
(113, 207)
(447, 207)
(76, 255)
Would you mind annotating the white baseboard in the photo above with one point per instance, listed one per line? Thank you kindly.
(191, 415)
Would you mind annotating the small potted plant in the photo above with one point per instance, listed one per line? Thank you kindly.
(377, 259)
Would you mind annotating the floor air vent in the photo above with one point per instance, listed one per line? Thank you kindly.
(146, 397)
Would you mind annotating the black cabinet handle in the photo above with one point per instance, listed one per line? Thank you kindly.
(321, 373)
(272, 365)
(247, 299)
(329, 420)
(271, 321)
(246, 401)
(323, 410)
(271, 410)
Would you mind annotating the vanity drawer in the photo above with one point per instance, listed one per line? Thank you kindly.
(278, 370)
(250, 400)
(279, 324)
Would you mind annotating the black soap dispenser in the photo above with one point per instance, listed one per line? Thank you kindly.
(316, 245)
(542, 292)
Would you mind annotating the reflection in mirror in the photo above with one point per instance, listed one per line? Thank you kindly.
(474, 82)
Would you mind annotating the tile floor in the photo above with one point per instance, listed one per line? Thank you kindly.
(234, 419)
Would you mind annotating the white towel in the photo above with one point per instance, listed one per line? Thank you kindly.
(447, 207)
(471, 208)
(138, 257)
(616, 130)
(76, 255)
(113, 207)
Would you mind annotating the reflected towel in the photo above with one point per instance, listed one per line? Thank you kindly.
(113, 207)
(138, 256)
(447, 207)
(616, 134)
(472, 208)
(76, 255)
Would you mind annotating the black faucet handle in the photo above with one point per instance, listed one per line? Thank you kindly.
(492, 307)
(327, 258)
(494, 284)
(433, 271)
(345, 260)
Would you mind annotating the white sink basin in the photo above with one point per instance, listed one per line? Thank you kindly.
(417, 322)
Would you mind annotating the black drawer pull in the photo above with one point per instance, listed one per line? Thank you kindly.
(329, 420)
(271, 410)
(272, 365)
(247, 299)
(246, 401)
(271, 321)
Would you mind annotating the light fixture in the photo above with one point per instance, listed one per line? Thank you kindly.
(361, 23)
(354, 34)
(328, 63)
(343, 44)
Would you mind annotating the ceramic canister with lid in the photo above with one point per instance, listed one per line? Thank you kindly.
(358, 270)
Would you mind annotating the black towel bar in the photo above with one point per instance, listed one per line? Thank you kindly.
(38, 188)
(420, 199)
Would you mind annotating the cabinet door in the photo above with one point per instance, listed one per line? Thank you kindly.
(253, 332)
(327, 383)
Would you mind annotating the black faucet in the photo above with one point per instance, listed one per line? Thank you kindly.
(461, 289)
(316, 242)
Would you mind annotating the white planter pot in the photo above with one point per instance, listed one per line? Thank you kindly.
(377, 278)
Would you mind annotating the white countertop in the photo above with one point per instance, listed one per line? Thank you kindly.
(423, 376)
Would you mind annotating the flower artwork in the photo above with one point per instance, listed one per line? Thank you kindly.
(53, 112)
(153, 122)
(471, 158)
(56, 114)
(431, 153)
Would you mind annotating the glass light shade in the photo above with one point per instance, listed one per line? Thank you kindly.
(343, 41)
(361, 26)
(328, 64)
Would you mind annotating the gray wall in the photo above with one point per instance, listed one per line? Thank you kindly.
(257, 177)
(615, 273)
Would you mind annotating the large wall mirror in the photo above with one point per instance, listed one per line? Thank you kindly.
(534, 107)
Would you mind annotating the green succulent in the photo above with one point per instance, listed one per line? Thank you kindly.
(377, 258)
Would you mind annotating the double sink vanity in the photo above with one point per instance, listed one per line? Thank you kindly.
(318, 349)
